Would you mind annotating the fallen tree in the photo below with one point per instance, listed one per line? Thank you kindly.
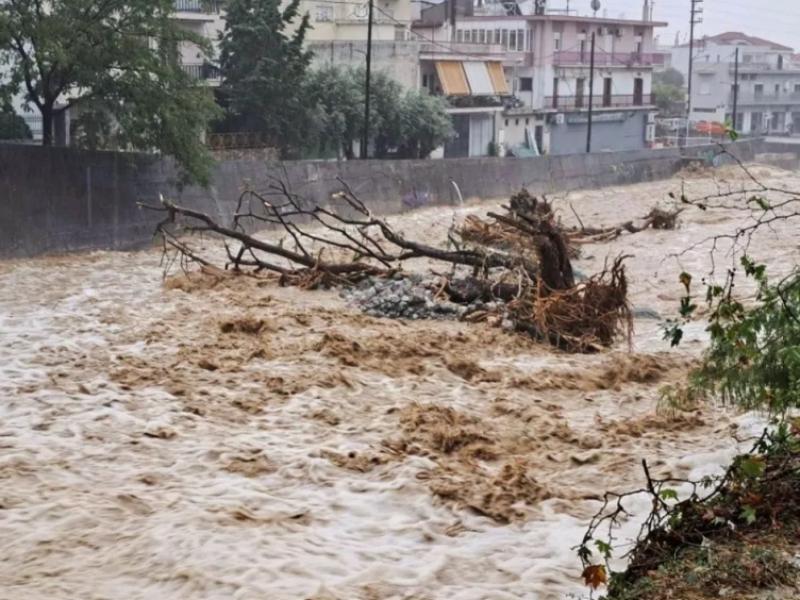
(519, 259)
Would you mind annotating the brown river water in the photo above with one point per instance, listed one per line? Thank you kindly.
(149, 449)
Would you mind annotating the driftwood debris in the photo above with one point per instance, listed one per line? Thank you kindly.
(520, 257)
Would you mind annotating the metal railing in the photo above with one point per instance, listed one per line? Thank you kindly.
(608, 59)
(196, 6)
(203, 71)
(599, 101)
(359, 13)
(766, 98)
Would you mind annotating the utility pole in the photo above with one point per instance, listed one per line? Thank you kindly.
(452, 5)
(735, 88)
(591, 97)
(365, 142)
(694, 20)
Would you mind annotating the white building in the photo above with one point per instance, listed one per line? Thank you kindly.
(769, 82)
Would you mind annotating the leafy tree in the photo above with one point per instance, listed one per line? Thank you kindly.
(117, 61)
(671, 77)
(13, 127)
(403, 124)
(337, 115)
(263, 69)
(667, 96)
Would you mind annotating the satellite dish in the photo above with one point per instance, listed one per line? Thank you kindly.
(595, 4)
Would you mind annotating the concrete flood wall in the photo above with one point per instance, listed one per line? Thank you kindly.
(56, 200)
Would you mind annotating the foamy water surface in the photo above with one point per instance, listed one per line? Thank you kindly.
(118, 454)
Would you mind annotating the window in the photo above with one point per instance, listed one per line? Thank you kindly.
(580, 85)
(607, 87)
(506, 122)
(474, 36)
(797, 88)
(526, 84)
(496, 36)
(425, 80)
(557, 42)
(527, 121)
(759, 90)
(777, 89)
(504, 38)
(512, 40)
(520, 40)
(399, 33)
(529, 41)
(482, 36)
(460, 35)
(467, 36)
(324, 14)
(516, 122)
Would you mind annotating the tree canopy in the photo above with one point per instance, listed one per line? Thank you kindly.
(115, 61)
(263, 65)
(671, 77)
(403, 124)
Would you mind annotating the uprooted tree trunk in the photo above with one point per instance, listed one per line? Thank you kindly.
(521, 258)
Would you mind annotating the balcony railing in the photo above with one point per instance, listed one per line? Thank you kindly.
(598, 101)
(766, 98)
(196, 6)
(607, 59)
(359, 13)
(202, 72)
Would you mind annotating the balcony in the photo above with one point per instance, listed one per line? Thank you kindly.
(358, 14)
(607, 59)
(196, 10)
(765, 67)
(567, 103)
(202, 72)
(763, 98)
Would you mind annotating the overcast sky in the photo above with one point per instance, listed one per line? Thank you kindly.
(775, 20)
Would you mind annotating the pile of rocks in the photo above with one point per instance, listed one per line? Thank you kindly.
(408, 297)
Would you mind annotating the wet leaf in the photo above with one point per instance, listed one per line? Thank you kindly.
(603, 548)
(594, 576)
(753, 467)
(686, 280)
(668, 494)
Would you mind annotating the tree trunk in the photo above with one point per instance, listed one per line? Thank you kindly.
(47, 125)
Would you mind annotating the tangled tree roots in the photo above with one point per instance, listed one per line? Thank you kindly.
(520, 257)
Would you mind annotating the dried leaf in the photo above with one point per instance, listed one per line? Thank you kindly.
(594, 576)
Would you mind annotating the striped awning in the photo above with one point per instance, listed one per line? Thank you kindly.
(471, 78)
(452, 77)
(480, 84)
(498, 78)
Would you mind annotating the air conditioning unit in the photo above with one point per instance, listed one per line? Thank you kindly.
(650, 133)
(651, 118)
(603, 31)
(559, 119)
(618, 33)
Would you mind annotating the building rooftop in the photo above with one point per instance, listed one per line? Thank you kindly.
(737, 38)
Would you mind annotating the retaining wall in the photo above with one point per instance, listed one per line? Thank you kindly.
(56, 200)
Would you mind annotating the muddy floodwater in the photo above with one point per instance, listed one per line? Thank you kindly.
(153, 447)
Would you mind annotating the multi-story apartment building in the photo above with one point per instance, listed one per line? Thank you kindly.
(545, 59)
(769, 82)
(338, 34)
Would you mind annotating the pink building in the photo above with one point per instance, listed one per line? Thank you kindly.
(546, 62)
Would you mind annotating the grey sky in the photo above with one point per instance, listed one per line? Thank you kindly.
(775, 20)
